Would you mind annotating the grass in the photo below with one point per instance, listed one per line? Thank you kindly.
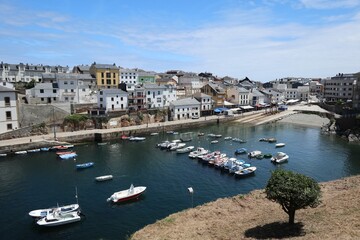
(252, 216)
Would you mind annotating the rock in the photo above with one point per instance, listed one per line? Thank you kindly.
(353, 138)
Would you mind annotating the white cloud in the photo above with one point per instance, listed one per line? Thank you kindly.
(328, 4)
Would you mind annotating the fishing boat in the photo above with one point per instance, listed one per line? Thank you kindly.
(199, 151)
(68, 155)
(104, 178)
(20, 152)
(240, 151)
(137, 139)
(245, 172)
(34, 150)
(254, 153)
(84, 165)
(280, 157)
(40, 213)
(278, 145)
(57, 218)
(185, 150)
(128, 194)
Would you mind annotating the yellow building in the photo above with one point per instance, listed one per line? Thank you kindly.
(107, 75)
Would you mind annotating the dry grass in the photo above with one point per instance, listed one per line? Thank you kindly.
(252, 216)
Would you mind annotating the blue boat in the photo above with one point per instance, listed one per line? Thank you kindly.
(45, 149)
(68, 156)
(84, 165)
(240, 151)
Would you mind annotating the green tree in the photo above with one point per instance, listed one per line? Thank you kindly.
(292, 191)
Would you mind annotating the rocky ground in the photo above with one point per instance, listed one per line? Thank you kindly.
(252, 216)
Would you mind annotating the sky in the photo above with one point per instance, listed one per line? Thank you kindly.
(263, 40)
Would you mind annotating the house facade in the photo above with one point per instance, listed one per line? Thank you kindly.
(206, 107)
(216, 92)
(106, 75)
(185, 108)
(159, 96)
(8, 110)
(340, 87)
(238, 95)
(112, 100)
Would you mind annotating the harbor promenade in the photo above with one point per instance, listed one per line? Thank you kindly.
(51, 139)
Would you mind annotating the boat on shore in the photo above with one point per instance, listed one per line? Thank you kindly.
(40, 213)
(128, 194)
(84, 165)
(104, 178)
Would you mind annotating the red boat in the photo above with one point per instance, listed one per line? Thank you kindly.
(128, 194)
(124, 137)
(62, 153)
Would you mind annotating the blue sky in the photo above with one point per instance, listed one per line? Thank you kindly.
(260, 39)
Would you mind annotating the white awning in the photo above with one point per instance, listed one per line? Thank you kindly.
(226, 103)
(246, 107)
(234, 109)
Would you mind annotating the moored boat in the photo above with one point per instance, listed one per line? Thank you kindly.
(33, 150)
(20, 152)
(185, 150)
(267, 155)
(137, 139)
(104, 178)
(154, 134)
(280, 157)
(199, 151)
(57, 218)
(245, 172)
(45, 149)
(254, 153)
(240, 151)
(84, 165)
(280, 145)
(40, 213)
(128, 194)
(68, 155)
(214, 141)
(3, 154)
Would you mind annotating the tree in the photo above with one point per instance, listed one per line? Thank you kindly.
(292, 191)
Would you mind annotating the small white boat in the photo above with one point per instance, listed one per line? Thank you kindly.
(199, 151)
(3, 154)
(102, 143)
(20, 152)
(34, 150)
(177, 146)
(227, 138)
(40, 213)
(279, 145)
(185, 150)
(137, 139)
(128, 194)
(57, 218)
(214, 141)
(245, 172)
(154, 134)
(280, 157)
(254, 153)
(104, 178)
(45, 149)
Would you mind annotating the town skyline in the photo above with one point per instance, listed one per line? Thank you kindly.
(262, 40)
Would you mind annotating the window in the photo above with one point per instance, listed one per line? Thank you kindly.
(54, 90)
(54, 98)
(112, 99)
(66, 98)
(71, 82)
(65, 82)
(83, 89)
(108, 81)
(108, 75)
(41, 90)
(158, 100)
(101, 99)
(114, 75)
(8, 115)
(121, 98)
(114, 82)
(102, 74)
(102, 81)
(42, 99)
(7, 101)
(72, 90)
(9, 126)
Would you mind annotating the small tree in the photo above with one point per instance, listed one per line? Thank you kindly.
(292, 191)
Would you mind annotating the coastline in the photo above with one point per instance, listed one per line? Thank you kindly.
(252, 216)
(99, 135)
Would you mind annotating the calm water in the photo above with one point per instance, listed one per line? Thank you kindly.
(41, 180)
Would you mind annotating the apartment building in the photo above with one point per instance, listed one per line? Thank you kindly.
(8, 109)
(159, 96)
(185, 108)
(106, 75)
(340, 87)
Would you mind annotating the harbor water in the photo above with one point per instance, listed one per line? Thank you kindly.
(41, 180)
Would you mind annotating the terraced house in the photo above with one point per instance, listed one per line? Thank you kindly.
(107, 75)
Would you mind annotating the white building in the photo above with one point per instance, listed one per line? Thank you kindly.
(275, 96)
(185, 108)
(206, 103)
(129, 77)
(159, 96)
(291, 93)
(8, 109)
(112, 100)
(43, 93)
(303, 93)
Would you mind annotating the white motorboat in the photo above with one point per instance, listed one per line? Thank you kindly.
(214, 141)
(128, 194)
(254, 153)
(3, 154)
(199, 151)
(154, 134)
(245, 172)
(104, 178)
(20, 152)
(280, 145)
(34, 150)
(280, 157)
(227, 138)
(57, 218)
(185, 150)
(177, 146)
(40, 213)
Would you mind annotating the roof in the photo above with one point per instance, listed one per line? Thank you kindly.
(216, 87)
(113, 91)
(5, 89)
(105, 66)
(156, 86)
(201, 95)
(185, 101)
